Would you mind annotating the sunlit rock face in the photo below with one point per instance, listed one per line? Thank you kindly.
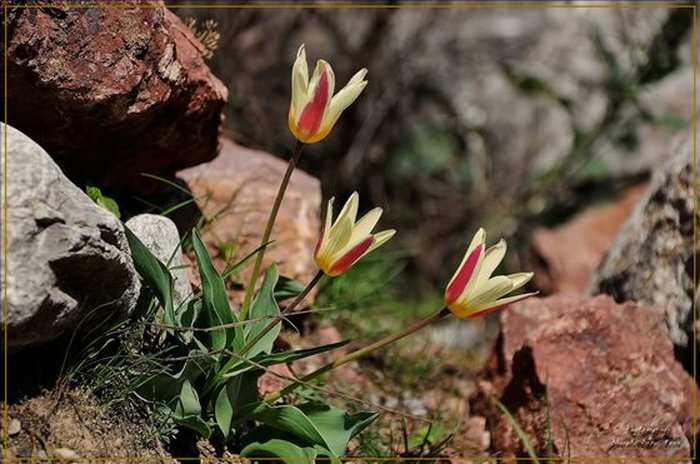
(113, 93)
(599, 376)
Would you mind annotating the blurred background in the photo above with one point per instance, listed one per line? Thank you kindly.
(508, 118)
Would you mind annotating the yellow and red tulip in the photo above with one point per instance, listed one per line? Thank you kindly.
(344, 241)
(314, 109)
(472, 291)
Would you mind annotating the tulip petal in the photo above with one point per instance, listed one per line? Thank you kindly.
(492, 258)
(344, 98)
(359, 76)
(350, 209)
(340, 237)
(500, 304)
(350, 257)
(313, 113)
(300, 82)
(380, 238)
(365, 225)
(335, 245)
(479, 237)
(325, 228)
(463, 275)
(329, 220)
(489, 291)
(520, 279)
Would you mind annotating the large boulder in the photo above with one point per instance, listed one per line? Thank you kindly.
(652, 258)
(112, 93)
(235, 193)
(598, 377)
(68, 262)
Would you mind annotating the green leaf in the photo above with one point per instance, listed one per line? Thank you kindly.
(234, 394)
(154, 274)
(235, 267)
(265, 309)
(264, 433)
(164, 387)
(216, 304)
(322, 425)
(187, 316)
(195, 423)
(187, 403)
(285, 451)
(336, 425)
(287, 288)
(518, 430)
(186, 410)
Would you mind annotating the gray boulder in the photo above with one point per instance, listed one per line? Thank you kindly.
(68, 262)
(159, 234)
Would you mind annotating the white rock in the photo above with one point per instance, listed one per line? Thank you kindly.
(68, 259)
(159, 234)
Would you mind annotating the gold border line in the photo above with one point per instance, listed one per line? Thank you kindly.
(5, 248)
(694, 193)
(370, 6)
(457, 6)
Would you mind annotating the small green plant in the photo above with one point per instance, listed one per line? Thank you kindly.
(104, 201)
(203, 358)
(208, 385)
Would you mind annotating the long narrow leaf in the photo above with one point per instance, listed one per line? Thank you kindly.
(263, 310)
(216, 304)
(283, 357)
(154, 273)
(235, 267)
(519, 430)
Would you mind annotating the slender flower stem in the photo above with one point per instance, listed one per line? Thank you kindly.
(279, 317)
(268, 229)
(272, 397)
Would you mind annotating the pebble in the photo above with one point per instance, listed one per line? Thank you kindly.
(416, 407)
(65, 453)
(14, 427)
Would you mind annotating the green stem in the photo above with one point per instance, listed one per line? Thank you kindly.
(235, 360)
(279, 317)
(268, 229)
(272, 397)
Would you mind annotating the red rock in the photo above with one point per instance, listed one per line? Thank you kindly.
(113, 93)
(328, 334)
(566, 257)
(269, 382)
(613, 384)
(236, 191)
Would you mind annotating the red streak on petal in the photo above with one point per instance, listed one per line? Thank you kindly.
(495, 308)
(455, 289)
(320, 239)
(486, 311)
(312, 115)
(348, 259)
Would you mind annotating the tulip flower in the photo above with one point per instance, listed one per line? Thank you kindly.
(314, 109)
(343, 242)
(472, 291)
